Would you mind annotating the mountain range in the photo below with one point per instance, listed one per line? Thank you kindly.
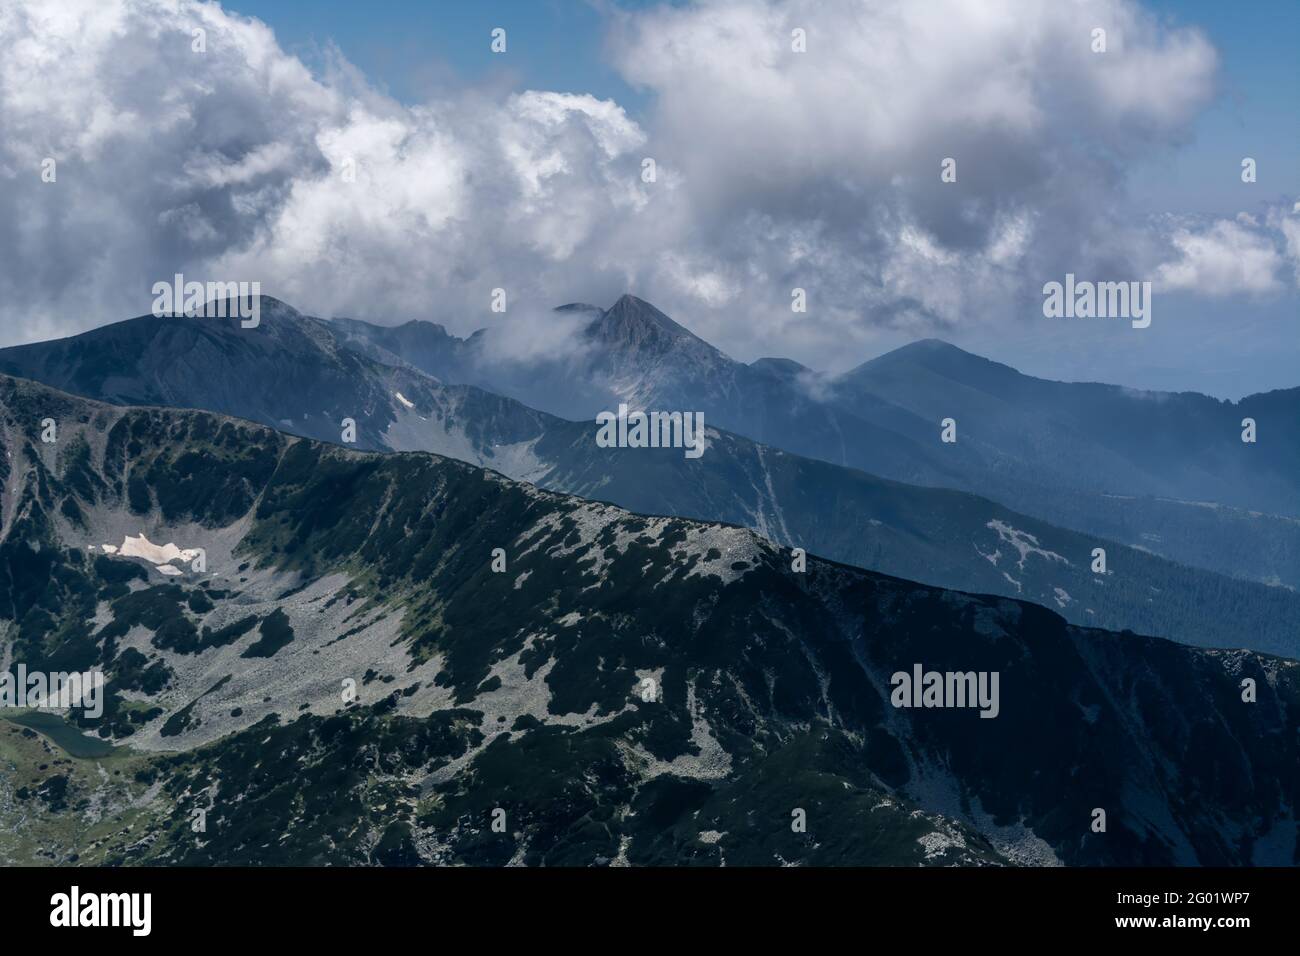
(1167, 472)
(306, 375)
(384, 655)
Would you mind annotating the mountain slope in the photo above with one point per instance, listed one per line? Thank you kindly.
(933, 535)
(523, 689)
(1096, 438)
(292, 372)
(1136, 467)
(293, 365)
(634, 353)
(287, 362)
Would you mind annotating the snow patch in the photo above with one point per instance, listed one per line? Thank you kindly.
(1024, 542)
(161, 555)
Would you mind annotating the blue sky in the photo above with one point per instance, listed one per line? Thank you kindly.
(415, 48)
(1259, 44)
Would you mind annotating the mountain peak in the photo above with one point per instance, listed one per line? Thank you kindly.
(268, 306)
(930, 345)
(931, 353)
(636, 325)
(779, 367)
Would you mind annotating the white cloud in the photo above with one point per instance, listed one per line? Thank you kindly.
(1288, 225)
(1225, 258)
(775, 170)
(231, 164)
(841, 147)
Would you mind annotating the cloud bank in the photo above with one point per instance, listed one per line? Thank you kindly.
(774, 169)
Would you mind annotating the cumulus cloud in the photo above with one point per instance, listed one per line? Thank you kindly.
(829, 160)
(774, 170)
(163, 157)
(1224, 258)
(239, 163)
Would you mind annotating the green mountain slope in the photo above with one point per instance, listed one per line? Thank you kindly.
(626, 689)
